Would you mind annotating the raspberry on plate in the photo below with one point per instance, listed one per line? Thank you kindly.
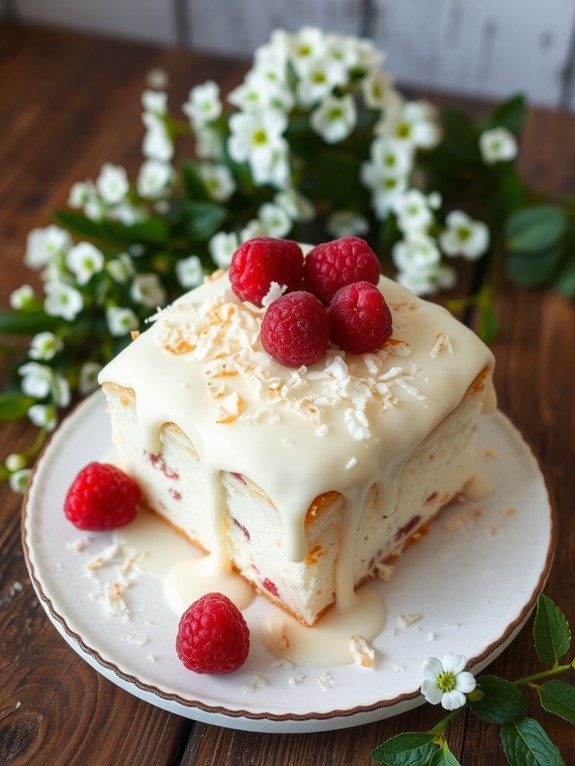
(101, 497)
(332, 265)
(263, 260)
(359, 318)
(295, 329)
(213, 636)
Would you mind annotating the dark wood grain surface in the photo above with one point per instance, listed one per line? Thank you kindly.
(67, 105)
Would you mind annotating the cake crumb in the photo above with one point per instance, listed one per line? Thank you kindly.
(297, 679)
(283, 662)
(442, 342)
(112, 602)
(258, 682)
(431, 636)
(78, 545)
(351, 463)
(151, 657)
(105, 556)
(384, 571)
(322, 430)
(134, 640)
(325, 680)
(490, 453)
(398, 668)
(508, 512)
(362, 651)
(405, 620)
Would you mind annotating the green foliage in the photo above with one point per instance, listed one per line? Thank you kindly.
(409, 749)
(501, 703)
(525, 743)
(551, 632)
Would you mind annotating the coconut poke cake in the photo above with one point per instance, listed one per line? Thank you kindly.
(303, 476)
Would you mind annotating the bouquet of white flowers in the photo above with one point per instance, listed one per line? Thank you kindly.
(316, 143)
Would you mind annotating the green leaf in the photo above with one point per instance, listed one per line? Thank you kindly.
(460, 139)
(525, 743)
(551, 631)
(412, 748)
(203, 219)
(85, 227)
(537, 227)
(558, 697)
(151, 230)
(510, 114)
(192, 181)
(564, 278)
(487, 323)
(533, 267)
(27, 322)
(14, 406)
(443, 757)
(502, 702)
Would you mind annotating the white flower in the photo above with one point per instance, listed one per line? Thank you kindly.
(376, 88)
(318, 77)
(257, 137)
(15, 462)
(446, 681)
(44, 245)
(43, 416)
(189, 271)
(84, 260)
(121, 268)
(385, 189)
(44, 346)
(263, 87)
(274, 219)
(310, 42)
(497, 145)
(414, 122)
(252, 229)
(157, 144)
(390, 157)
(417, 251)
(414, 211)
(36, 379)
(153, 178)
(208, 144)
(95, 209)
(121, 320)
(347, 223)
(89, 377)
(218, 180)
(464, 236)
(147, 290)
(19, 480)
(112, 183)
(428, 279)
(222, 246)
(298, 207)
(155, 101)
(335, 118)
(203, 104)
(62, 300)
(61, 391)
(81, 193)
(21, 297)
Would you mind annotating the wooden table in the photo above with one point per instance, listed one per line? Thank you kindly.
(67, 105)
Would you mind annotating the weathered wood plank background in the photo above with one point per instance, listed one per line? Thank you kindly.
(485, 48)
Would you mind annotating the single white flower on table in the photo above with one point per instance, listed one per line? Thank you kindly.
(43, 416)
(189, 271)
(274, 219)
(497, 145)
(428, 279)
(347, 223)
(62, 300)
(112, 183)
(88, 380)
(222, 246)
(19, 480)
(204, 104)
(37, 379)
(44, 245)
(446, 681)
(417, 251)
(335, 118)
(298, 207)
(464, 236)
(153, 178)
(121, 320)
(318, 77)
(44, 346)
(21, 297)
(147, 290)
(414, 210)
(155, 101)
(414, 122)
(257, 138)
(218, 180)
(81, 193)
(84, 260)
(121, 268)
(157, 143)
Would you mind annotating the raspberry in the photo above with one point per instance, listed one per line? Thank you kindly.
(359, 318)
(102, 496)
(332, 265)
(259, 262)
(295, 329)
(213, 636)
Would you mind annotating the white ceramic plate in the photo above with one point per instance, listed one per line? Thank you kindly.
(472, 582)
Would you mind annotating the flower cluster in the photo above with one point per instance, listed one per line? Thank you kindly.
(315, 143)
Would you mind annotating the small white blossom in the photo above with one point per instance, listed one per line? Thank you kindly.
(19, 480)
(121, 268)
(203, 104)
(112, 183)
(464, 236)
(157, 144)
(335, 118)
(309, 43)
(391, 157)
(84, 260)
(155, 101)
(36, 379)
(497, 145)
(274, 219)
(62, 300)
(147, 290)
(218, 180)
(257, 138)
(414, 122)
(385, 189)
(446, 681)
(318, 77)
(95, 209)
(222, 246)
(414, 211)
(44, 346)
(43, 416)
(81, 193)
(298, 207)
(153, 178)
(208, 144)
(376, 88)
(88, 381)
(189, 271)
(418, 250)
(252, 229)
(21, 297)
(61, 391)
(347, 223)
(44, 245)
(428, 279)
(15, 462)
(121, 321)
(263, 88)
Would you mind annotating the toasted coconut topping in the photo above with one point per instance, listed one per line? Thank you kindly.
(362, 651)
(442, 343)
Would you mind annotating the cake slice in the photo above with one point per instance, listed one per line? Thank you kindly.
(305, 480)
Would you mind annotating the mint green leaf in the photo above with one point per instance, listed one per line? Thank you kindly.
(558, 697)
(443, 757)
(27, 322)
(85, 227)
(502, 702)
(525, 743)
(413, 748)
(551, 632)
(510, 114)
(535, 266)
(14, 406)
(537, 227)
(192, 181)
(564, 278)
(203, 219)
(151, 230)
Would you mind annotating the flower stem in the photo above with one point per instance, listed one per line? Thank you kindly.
(554, 671)
(442, 725)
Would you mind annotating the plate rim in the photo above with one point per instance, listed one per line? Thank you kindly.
(58, 619)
